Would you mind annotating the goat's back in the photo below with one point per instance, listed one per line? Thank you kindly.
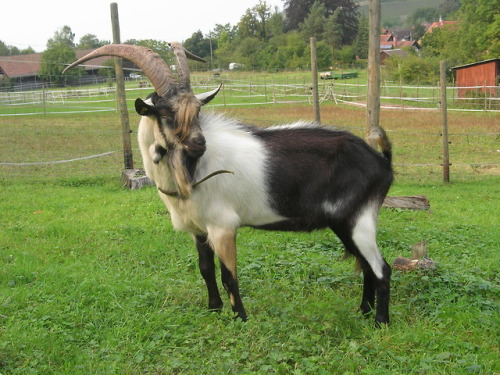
(298, 171)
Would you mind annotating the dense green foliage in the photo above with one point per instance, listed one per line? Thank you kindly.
(59, 53)
(89, 41)
(413, 69)
(474, 37)
(6, 50)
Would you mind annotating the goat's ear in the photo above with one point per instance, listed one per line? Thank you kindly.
(206, 97)
(144, 109)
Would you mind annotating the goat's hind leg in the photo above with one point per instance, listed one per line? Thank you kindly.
(207, 270)
(376, 271)
(360, 240)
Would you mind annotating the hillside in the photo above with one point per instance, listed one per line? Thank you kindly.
(394, 13)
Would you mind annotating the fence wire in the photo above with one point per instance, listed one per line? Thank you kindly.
(73, 132)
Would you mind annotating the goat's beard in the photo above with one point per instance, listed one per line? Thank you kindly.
(183, 167)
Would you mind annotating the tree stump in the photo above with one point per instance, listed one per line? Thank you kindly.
(405, 264)
(419, 259)
(135, 179)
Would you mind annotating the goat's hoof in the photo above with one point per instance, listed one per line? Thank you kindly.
(241, 316)
(382, 324)
(366, 310)
(216, 307)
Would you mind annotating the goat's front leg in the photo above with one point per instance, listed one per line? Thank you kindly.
(223, 242)
(207, 270)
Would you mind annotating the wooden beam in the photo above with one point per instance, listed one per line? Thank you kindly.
(414, 202)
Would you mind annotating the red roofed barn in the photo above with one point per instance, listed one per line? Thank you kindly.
(482, 76)
(24, 69)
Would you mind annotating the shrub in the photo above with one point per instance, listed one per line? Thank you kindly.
(413, 69)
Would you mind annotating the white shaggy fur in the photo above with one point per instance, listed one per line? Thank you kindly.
(221, 201)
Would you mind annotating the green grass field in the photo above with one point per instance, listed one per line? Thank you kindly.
(93, 279)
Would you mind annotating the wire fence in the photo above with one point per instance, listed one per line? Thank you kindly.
(246, 93)
(75, 132)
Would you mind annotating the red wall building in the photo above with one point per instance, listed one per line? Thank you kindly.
(483, 73)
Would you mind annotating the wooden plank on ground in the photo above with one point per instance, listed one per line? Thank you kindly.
(414, 202)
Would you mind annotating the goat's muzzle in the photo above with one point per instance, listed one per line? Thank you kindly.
(195, 145)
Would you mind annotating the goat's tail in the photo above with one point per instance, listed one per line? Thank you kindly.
(379, 136)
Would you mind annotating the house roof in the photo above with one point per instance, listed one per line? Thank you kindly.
(406, 43)
(395, 52)
(476, 63)
(390, 41)
(439, 23)
(400, 33)
(19, 66)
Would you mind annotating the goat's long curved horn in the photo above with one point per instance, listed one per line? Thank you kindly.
(181, 54)
(147, 60)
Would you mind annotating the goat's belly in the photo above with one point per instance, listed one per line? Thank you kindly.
(262, 220)
(292, 225)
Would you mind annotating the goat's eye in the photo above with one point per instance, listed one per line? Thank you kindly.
(169, 119)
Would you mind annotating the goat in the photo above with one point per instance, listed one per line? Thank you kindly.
(296, 177)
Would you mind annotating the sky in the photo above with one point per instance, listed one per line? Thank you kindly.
(33, 22)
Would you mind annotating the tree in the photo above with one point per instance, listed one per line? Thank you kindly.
(476, 35)
(413, 69)
(333, 30)
(314, 23)
(54, 60)
(323, 55)
(297, 10)
(89, 41)
(198, 44)
(427, 15)
(442, 44)
(6, 50)
(59, 53)
(448, 7)
(480, 23)
(62, 37)
(13, 50)
(421, 15)
(249, 52)
(159, 46)
(275, 24)
(224, 36)
(253, 23)
(360, 45)
(27, 51)
(263, 12)
(286, 51)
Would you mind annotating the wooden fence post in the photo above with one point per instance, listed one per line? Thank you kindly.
(373, 98)
(444, 120)
(314, 70)
(120, 92)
